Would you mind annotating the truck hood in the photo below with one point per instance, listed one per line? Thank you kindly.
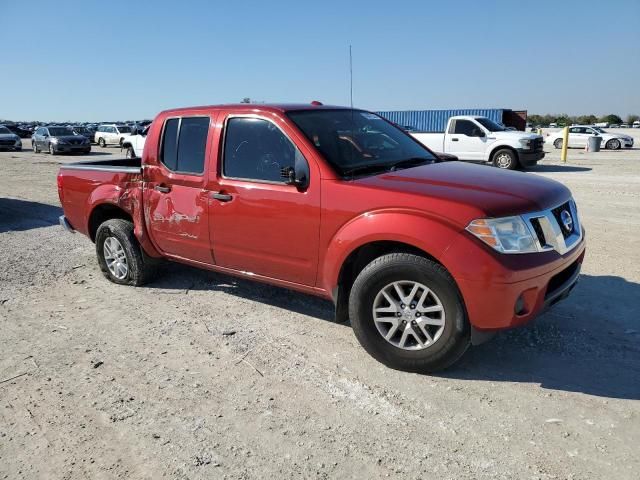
(513, 135)
(484, 190)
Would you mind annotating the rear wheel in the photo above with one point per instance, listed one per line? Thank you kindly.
(613, 144)
(130, 153)
(505, 159)
(407, 313)
(120, 256)
(102, 143)
(558, 143)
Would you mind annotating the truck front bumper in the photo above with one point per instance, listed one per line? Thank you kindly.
(511, 290)
(528, 158)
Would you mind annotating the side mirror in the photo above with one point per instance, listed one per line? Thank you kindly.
(293, 177)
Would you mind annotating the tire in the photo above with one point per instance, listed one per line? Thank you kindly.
(102, 143)
(139, 267)
(130, 153)
(558, 143)
(35, 147)
(52, 149)
(613, 144)
(451, 340)
(121, 141)
(505, 159)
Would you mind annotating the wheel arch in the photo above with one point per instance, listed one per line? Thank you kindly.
(496, 149)
(366, 238)
(103, 212)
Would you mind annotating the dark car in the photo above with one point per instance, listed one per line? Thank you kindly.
(84, 131)
(21, 132)
(9, 140)
(55, 139)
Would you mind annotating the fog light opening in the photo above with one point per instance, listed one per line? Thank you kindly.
(520, 307)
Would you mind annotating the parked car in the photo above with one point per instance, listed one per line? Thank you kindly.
(579, 136)
(423, 256)
(479, 139)
(134, 144)
(84, 131)
(614, 125)
(57, 139)
(9, 140)
(111, 134)
(21, 132)
(624, 125)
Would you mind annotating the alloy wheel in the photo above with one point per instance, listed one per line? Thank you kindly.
(408, 315)
(115, 258)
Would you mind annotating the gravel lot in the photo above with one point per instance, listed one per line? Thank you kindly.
(121, 382)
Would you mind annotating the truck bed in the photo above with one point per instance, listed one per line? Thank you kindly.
(128, 165)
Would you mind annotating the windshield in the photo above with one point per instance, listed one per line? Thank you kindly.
(59, 131)
(353, 140)
(124, 129)
(81, 130)
(4, 130)
(490, 124)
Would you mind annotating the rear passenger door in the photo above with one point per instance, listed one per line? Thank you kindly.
(260, 224)
(176, 202)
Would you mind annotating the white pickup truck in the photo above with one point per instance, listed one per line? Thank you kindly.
(479, 139)
(134, 144)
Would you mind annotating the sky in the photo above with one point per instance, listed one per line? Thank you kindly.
(116, 60)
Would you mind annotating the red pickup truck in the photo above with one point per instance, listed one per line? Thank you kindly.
(424, 256)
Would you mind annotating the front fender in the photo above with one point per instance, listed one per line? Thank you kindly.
(431, 234)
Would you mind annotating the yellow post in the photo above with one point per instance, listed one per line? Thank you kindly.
(565, 141)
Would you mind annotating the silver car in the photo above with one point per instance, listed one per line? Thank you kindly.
(55, 139)
(9, 140)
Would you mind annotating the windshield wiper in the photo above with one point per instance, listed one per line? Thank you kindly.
(366, 168)
(409, 162)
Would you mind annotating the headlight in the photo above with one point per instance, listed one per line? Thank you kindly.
(505, 235)
(54, 140)
(525, 142)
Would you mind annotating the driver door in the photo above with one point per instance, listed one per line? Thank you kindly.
(259, 223)
(466, 140)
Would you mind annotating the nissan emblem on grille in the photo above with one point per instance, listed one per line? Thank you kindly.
(567, 221)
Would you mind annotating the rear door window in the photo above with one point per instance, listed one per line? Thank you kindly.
(184, 142)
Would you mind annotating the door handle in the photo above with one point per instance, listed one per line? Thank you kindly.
(454, 139)
(223, 197)
(162, 188)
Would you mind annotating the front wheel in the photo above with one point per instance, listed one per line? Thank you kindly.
(35, 148)
(407, 313)
(130, 153)
(52, 149)
(613, 144)
(505, 159)
(120, 256)
(102, 143)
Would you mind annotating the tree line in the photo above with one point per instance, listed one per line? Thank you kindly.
(565, 119)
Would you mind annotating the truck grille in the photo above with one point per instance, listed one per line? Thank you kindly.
(538, 144)
(75, 142)
(555, 229)
(562, 214)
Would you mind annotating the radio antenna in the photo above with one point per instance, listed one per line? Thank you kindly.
(351, 77)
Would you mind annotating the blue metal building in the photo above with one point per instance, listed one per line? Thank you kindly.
(436, 120)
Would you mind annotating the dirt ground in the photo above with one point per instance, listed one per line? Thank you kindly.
(199, 375)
